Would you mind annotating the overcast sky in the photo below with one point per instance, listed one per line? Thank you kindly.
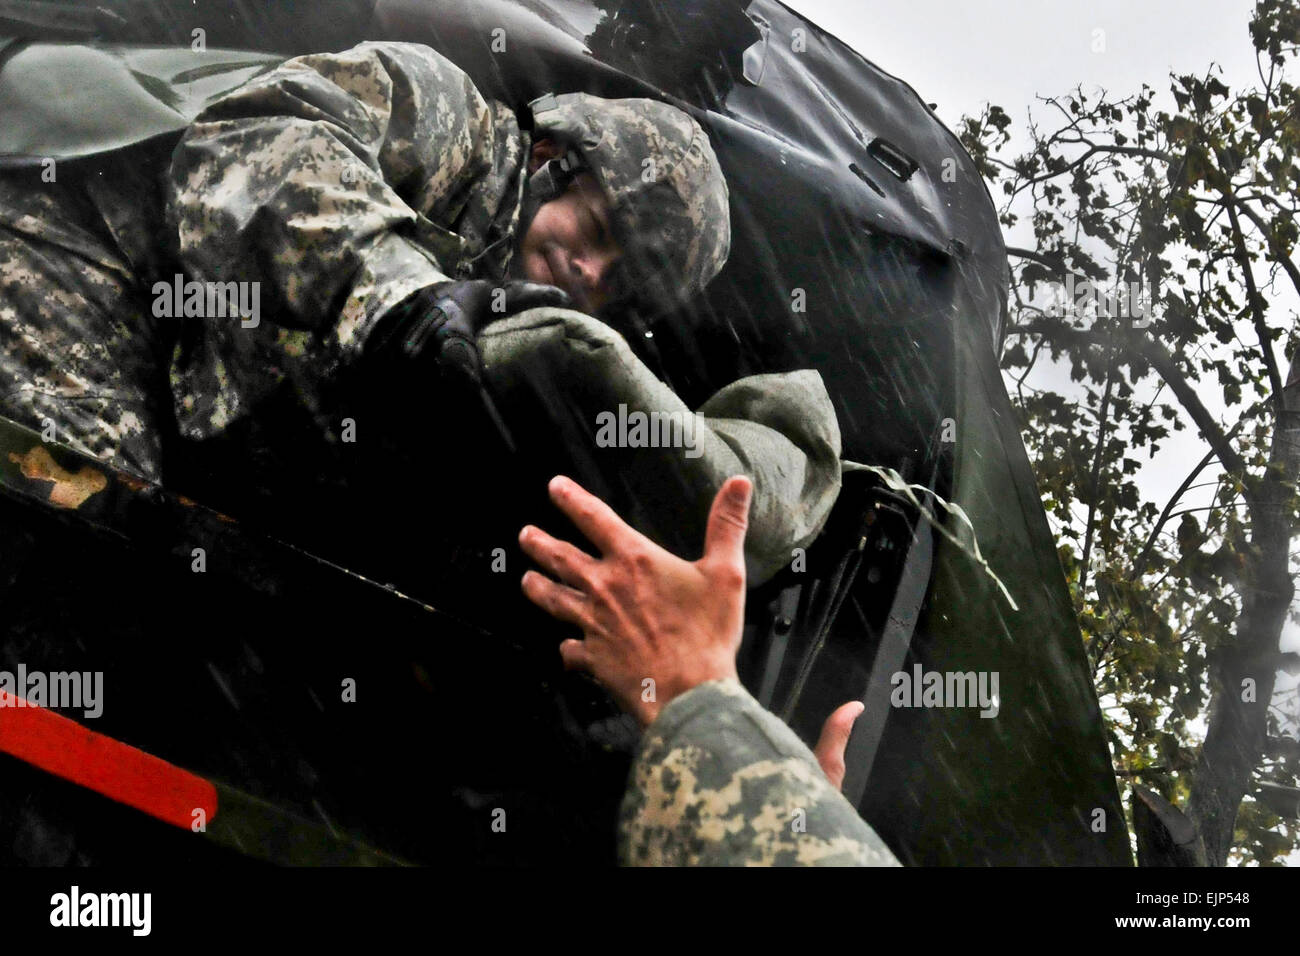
(961, 54)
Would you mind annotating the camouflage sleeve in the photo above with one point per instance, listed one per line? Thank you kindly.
(719, 781)
(337, 184)
(780, 430)
(783, 433)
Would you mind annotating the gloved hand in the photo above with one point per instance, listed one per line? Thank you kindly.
(439, 324)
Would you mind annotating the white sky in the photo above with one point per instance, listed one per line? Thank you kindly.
(961, 54)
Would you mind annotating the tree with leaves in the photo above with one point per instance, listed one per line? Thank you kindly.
(1158, 274)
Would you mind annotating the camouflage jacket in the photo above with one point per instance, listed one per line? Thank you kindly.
(719, 781)
(340, 183)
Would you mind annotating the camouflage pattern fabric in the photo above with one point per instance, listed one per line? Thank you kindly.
(666, 190)
(336, 184)
(78, 346)
(719, 781)
(339, 183)
(779, 429)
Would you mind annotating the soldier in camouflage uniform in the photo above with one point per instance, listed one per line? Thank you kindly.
(720, 781)
(376, 183)
(366, 192)
(80, 352)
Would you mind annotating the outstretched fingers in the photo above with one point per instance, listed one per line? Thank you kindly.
(724, 538)
(575, 655)
(557, 600)
(595, 519)
(571, 565)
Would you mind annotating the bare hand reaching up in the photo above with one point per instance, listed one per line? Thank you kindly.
(655, 625)
(646, 614)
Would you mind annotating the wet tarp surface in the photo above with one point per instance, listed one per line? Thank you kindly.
(864, 245)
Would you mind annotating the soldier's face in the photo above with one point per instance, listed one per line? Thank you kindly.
(569, 244)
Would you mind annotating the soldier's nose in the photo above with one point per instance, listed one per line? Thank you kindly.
(588, 273)
(593, 270)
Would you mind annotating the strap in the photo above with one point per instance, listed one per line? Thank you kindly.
(552, 178)
(904, 614)
(233, 819)
(543, 104)
(109, 767)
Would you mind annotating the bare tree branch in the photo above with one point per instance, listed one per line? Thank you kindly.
(1139, 565)
(1253, 301)
(1277, 254)
(1038, 257)
(1164, 364)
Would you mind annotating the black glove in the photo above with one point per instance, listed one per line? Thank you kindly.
(439, 324)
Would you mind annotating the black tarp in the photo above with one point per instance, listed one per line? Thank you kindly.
(849, 198)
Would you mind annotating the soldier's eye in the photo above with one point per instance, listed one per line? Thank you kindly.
(598, 227)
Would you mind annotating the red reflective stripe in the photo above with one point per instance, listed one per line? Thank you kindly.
(64, 748)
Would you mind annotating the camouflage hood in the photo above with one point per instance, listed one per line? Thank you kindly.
(664, 184)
